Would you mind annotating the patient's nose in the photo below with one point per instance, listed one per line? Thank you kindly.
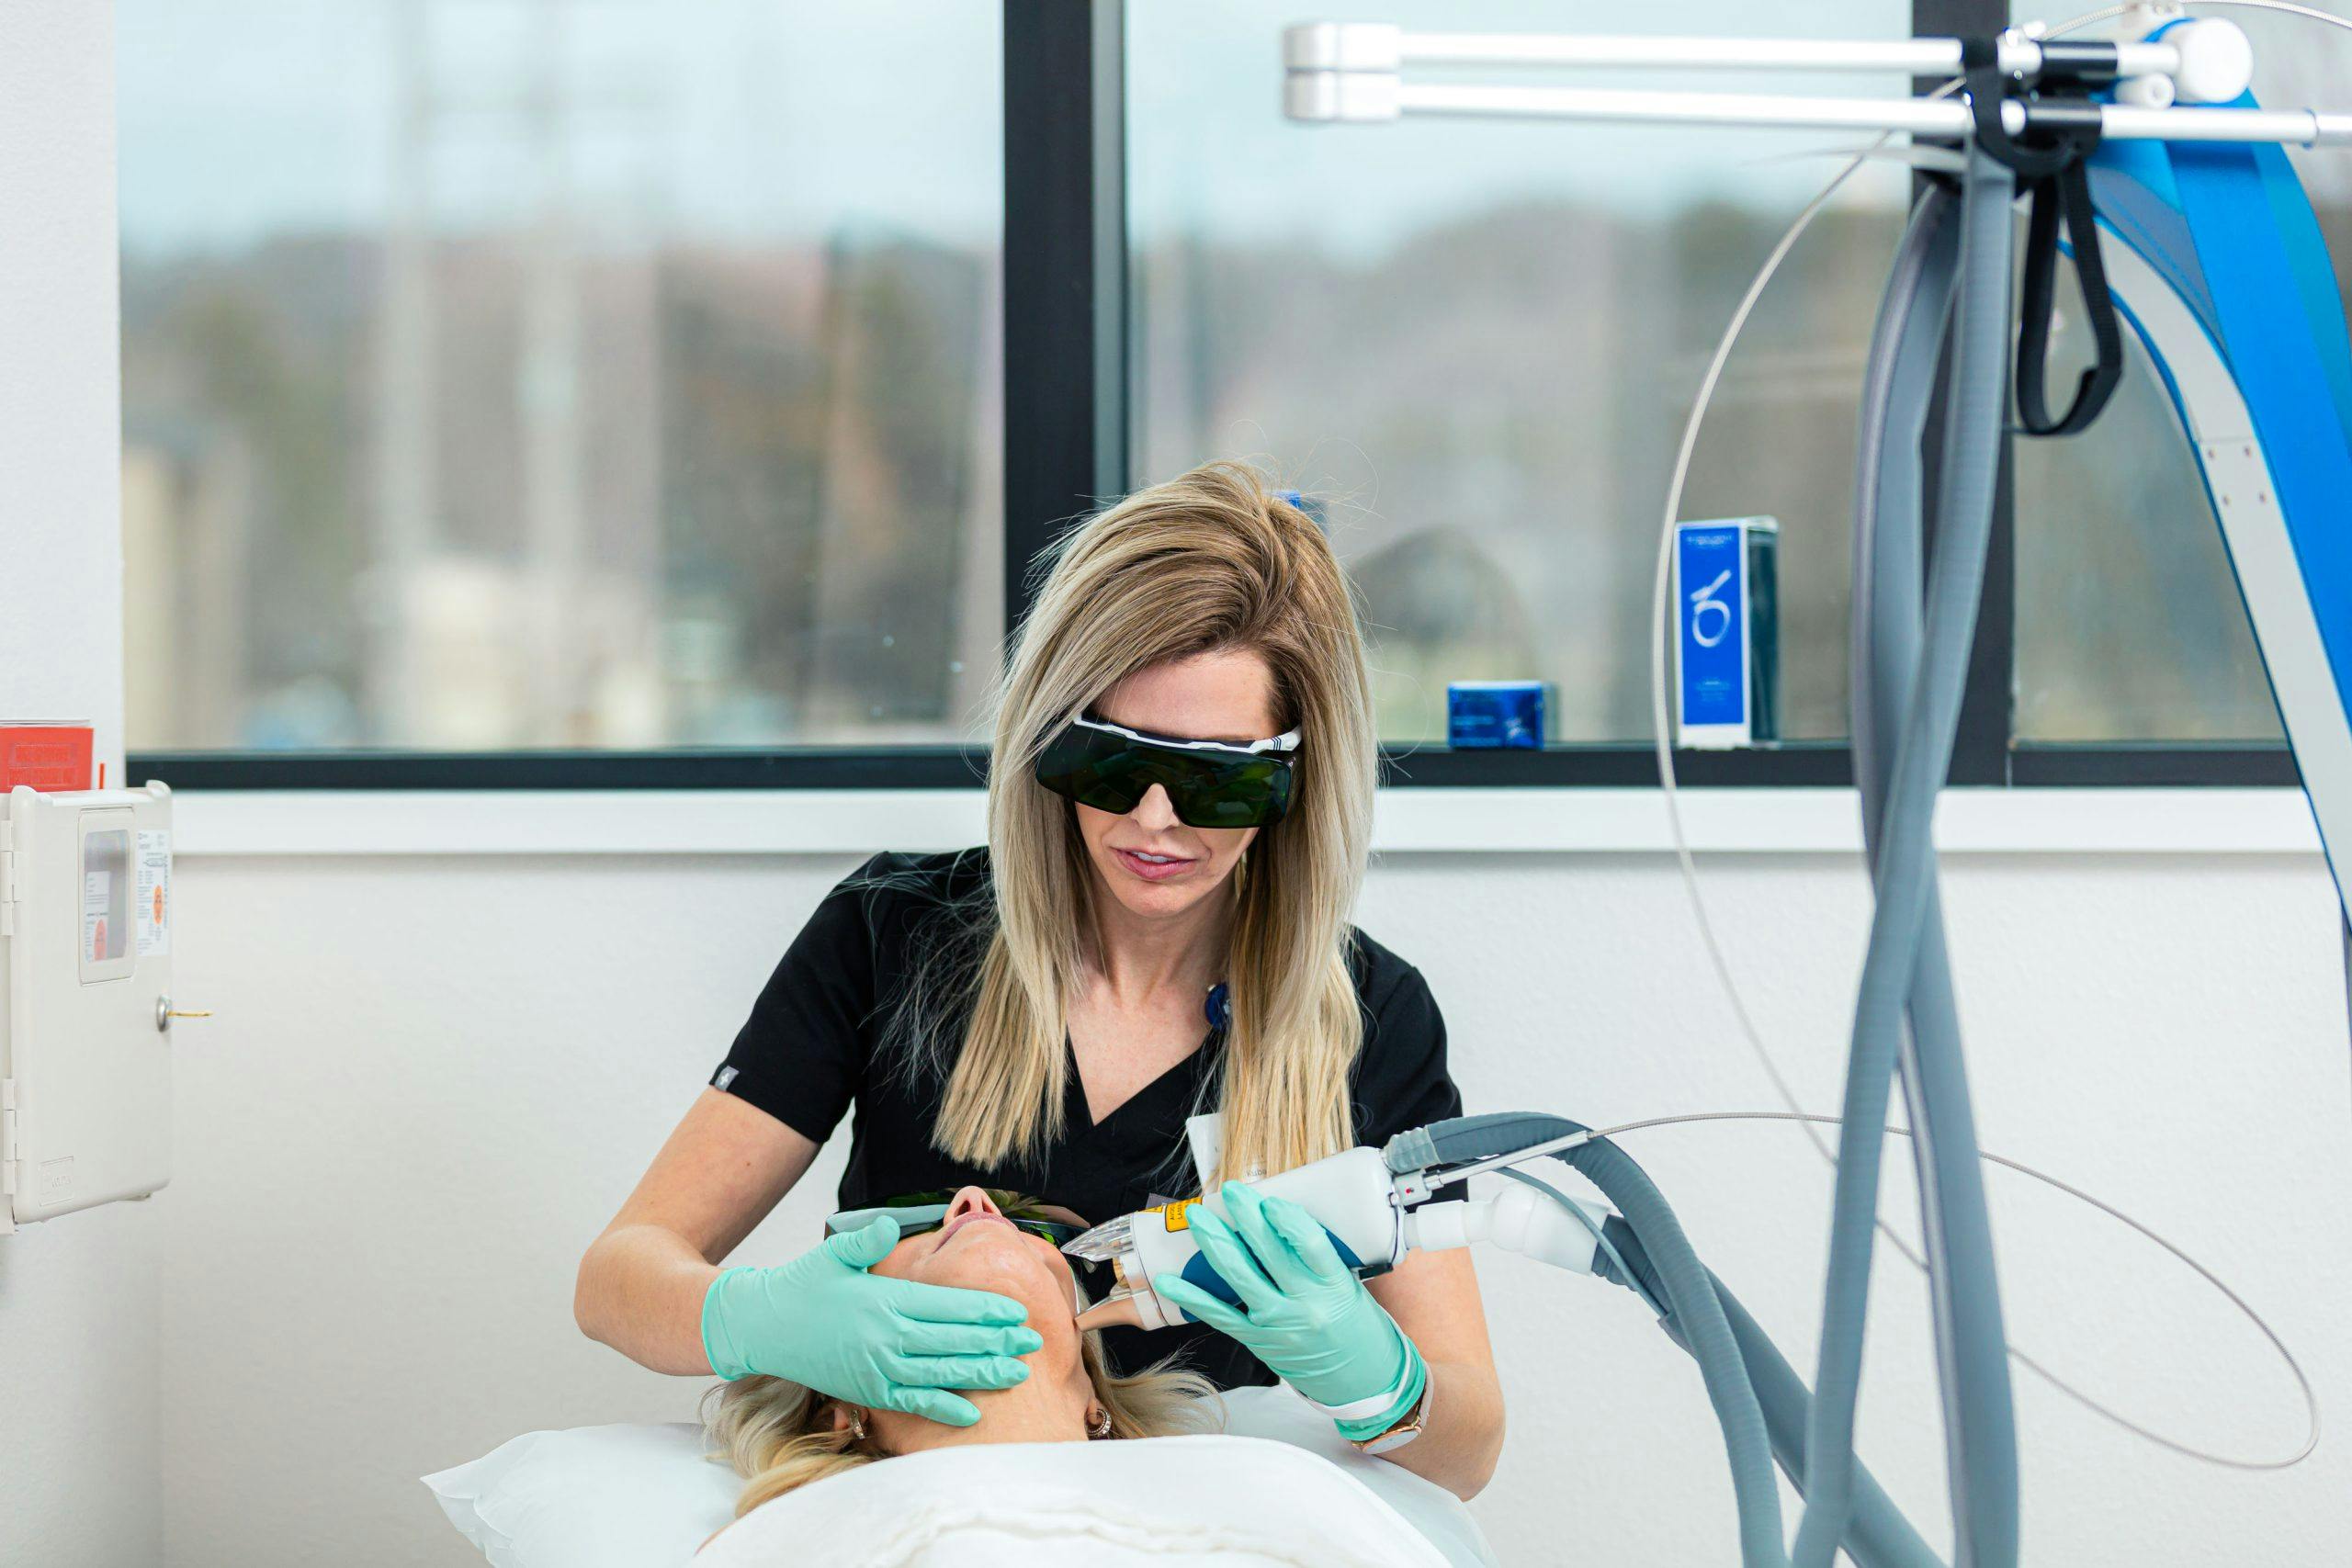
(969, 1199)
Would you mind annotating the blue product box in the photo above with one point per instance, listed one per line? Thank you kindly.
(1726, 591)
(1486, 715)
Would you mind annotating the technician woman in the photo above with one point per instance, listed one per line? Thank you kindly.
(1177, 811)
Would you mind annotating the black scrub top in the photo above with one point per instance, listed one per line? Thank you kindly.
(823, 1039)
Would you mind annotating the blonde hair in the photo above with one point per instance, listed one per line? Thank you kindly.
(1208, 561)
(779, 1436)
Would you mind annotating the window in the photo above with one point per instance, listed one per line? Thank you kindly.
(2129, 623)
(514, 374)
(1477, 343)
(603, 393)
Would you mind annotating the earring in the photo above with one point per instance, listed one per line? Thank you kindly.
(1102, 1428)
(856, 1427)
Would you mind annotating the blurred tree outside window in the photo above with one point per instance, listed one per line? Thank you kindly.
(507, 374)
(1477, 343)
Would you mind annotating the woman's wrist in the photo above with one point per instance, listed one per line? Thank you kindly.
(1369, 1418)
(725, 1360)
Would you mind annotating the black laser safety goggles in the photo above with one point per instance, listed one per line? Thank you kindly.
(1212, 784)
(920, 1211)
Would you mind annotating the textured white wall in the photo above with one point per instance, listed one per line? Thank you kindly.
(61, 379)
(431, 1079)
(78, 1313)
(80, 1475)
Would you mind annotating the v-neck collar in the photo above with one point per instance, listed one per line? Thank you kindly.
(1190, 1065)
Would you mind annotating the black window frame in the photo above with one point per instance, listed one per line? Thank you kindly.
(1066, 452)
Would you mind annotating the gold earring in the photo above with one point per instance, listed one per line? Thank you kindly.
(856, 1427)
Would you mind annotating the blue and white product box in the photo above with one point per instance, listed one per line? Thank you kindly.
(1491, 714)
(1723, 639)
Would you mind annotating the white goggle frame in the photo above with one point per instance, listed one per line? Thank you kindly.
(1279, 745)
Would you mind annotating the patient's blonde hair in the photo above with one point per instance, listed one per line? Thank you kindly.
(779, 1435)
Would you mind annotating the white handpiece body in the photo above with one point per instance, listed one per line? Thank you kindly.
(1350, 1192)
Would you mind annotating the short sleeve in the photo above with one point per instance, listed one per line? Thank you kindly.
(801, 1055)
(1401, 1079)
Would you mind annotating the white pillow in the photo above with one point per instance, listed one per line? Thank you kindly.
(625, 1497)
(638, 1496)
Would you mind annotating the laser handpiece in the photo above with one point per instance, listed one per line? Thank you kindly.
(1373, 1217)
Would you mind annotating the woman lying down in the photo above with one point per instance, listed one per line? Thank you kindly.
(1075, 1464)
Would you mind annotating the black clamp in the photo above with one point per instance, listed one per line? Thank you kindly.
(2052, 163)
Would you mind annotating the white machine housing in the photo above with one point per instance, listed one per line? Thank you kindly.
(1516, 1218)
(85, 967)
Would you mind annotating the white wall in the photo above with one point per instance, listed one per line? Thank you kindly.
(431, 1079)
(60, 381)
(79, 1476)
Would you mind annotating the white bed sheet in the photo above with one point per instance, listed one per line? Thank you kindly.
(629, 1497)
(1197, 1501)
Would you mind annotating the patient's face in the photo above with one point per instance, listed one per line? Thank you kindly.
(976, 1248)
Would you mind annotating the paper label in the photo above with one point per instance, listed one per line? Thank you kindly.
(153, 904)
(97, 892)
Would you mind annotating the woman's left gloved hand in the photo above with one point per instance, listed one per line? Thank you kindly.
(1302, 1312)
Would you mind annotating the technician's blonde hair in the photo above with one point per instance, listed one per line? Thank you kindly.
(780, 1436)
(1205, 562)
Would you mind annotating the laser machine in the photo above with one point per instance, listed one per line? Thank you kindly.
(2148, 159)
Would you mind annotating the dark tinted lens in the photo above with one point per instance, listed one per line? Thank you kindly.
(1234, 794)
(1023, 1212)
(934, 1195)
(1111, 772)
(1093, 769)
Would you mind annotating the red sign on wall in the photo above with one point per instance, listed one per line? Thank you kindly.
(44, 756)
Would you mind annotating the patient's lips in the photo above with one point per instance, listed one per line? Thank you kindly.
(968, 1218)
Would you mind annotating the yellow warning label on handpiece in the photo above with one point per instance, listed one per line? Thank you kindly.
(1177, 1215)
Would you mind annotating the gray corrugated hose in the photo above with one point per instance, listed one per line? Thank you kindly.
(1903, 862)
(1758, 1397)
(1908, 681)
(1972, 1357)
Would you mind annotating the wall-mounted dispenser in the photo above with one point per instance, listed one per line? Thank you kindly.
(85, 1008)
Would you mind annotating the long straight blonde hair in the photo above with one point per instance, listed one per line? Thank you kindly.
(779, 1436)
(1205, 562)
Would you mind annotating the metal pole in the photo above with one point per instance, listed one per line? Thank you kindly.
(1371, 96)
(1376, 46)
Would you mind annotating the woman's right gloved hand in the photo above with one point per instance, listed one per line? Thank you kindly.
(825, 1323)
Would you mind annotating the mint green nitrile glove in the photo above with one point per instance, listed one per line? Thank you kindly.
(1303, 1310)
(825, 1323)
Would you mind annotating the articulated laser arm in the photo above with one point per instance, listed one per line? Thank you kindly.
(2155, 146)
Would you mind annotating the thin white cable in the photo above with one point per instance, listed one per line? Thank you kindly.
(1663, 740)
(1660, 592)
(2294, 1366)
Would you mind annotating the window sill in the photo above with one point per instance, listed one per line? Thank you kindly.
(241, 823)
